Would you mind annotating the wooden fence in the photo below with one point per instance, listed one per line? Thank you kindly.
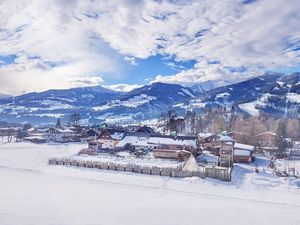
(220, 173)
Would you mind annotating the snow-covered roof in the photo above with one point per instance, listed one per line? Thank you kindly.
(205, 135)
(34, 138)
(31, 129)
(63, 129)
(171, 141)
(210, 158)
(243, 147)
(242, 152)
(226, 138)
(117, 135)
(133, 140)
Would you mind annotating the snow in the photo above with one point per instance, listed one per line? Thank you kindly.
(129, 159)
(249, 107)
(54, 115)
(133, 140)
(282, 164)
(210, 158)
(242, 152)
(117, 135)
(222, 95)
(191, 165)
(280, 83)
(204, 135)
(187, 92)
(193, 104)
(243, 146)
(91, 96)
(33, 192)
(55, 104)
(133, 102)
(171, 141)
(226, 138)
(293, 97)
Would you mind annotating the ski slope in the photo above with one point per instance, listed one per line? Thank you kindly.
(32, 192)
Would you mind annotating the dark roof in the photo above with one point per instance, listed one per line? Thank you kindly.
(145, 129)
(175, 137)
(186, 137)
(138, 134)
(114, 130)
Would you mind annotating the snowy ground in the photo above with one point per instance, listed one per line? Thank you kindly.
(32, 192)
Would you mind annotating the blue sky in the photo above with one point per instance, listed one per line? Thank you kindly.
(123, 44)
(145, 70)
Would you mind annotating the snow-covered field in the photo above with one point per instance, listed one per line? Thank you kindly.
(32, 192)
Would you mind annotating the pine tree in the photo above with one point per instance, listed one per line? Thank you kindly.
(282, 134)
(58, 124)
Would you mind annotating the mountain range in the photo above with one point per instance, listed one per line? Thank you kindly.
(273, 94)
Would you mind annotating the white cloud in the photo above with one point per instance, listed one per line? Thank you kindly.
(131, 60)
(122, 87)
(58, 41)
(259, 35)
(53, 48)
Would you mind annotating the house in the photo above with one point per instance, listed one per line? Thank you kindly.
(145, 129)
(171, 154)
(109, 137)
(91, 134)
(37, 139)
(208, 141)
(59, 134)
(36, 135)
(243, 153)
(226, 151)
(267, 139)
(239, 136)
(135, 141)
(178, 147)
(174, 142)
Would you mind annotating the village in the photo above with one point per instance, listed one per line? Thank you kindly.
(141, 149)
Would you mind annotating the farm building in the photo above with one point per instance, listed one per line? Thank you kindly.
(135, 141)
(109, 137)
(208, 141)
(59, 134)
(172, 147)
(243, 153)
(267, 139)
(171, 154)
(226, 151)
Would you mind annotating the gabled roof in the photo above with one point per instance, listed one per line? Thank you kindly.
(226, 138)
(171, 140)
(243, 147)
(93, 130)
(115, 134)
(62, 129)
(145, 129)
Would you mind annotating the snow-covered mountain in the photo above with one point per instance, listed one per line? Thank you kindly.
(94, 104)
(44, 107)
(4, 96)
(275, 94)
(143, 103)
(203, 87)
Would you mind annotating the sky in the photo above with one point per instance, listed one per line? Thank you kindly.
(124, 44)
